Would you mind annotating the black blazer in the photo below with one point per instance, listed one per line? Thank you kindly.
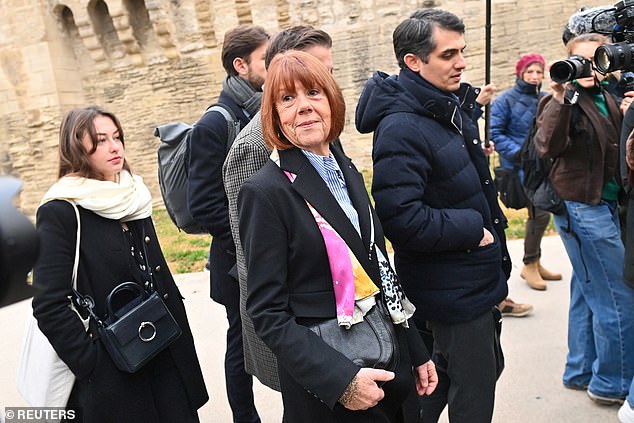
(104, 262)
(289, 282)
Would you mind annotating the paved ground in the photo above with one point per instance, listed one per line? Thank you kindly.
(529, 391)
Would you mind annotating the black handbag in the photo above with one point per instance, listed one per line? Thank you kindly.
(546, 198)
(138, 325)
(508, 184)
(136, 332)
(369, 343)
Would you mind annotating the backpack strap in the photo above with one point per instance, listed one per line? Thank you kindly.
(233, 123)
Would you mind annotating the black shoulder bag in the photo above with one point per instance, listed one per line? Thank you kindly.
(138, 330)
(509, 185)
(369, 343)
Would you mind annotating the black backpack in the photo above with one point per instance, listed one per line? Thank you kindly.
(173, 166)
(537, 185)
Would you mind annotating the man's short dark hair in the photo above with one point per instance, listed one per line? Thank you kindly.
(415, 34)
(299, 37)
(241, 41)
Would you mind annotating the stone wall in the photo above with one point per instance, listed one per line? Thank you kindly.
(155, 61)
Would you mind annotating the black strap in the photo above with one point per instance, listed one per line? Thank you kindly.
(146, 259)
(233, 123)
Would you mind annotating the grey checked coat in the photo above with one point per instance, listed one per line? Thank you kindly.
(246, 156)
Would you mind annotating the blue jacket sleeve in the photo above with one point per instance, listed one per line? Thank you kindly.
(206, 196)
(500, 119)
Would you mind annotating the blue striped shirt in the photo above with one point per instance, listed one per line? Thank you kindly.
(329, 170)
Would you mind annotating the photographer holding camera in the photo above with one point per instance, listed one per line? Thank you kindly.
(578, 127)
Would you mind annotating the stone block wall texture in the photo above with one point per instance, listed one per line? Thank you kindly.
(155, 61)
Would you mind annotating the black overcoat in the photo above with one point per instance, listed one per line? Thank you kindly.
(289, 286)
(104, 393)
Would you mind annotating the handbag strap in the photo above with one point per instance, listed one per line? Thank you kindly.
(372, 244)
(146, 259)
(83, 301)
(76, 262)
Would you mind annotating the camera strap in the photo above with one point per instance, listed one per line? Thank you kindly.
(571, 96)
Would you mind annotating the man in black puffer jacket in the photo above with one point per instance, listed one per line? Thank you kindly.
(438, 206)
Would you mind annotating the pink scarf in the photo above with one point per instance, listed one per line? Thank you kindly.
(350, 281)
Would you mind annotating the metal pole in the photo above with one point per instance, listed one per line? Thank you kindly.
(487, 70)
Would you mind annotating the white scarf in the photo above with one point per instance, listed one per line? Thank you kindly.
(125, 200)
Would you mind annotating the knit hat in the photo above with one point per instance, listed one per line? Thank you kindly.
(527, 60)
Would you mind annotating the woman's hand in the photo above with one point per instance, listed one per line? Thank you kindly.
(558, 91)
(629, 151)
(363, 392)
(426, 378)
(628, 97)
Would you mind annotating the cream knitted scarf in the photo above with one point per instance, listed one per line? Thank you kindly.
(125, 200)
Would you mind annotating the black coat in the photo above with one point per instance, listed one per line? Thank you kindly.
(103, 392)
(290, 285)
(434, 194)
(206, 196)
(626, 178)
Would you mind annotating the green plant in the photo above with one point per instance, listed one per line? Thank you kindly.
(517, 223)
(184, 253)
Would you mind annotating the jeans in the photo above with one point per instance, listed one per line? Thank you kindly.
(535, 227)
(467, 366)
(600, 320)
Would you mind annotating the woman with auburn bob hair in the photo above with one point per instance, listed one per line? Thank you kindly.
(315, 252)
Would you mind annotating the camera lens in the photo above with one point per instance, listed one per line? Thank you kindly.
(613, 57)
(562, 71)
(603, 59)
(575, 67)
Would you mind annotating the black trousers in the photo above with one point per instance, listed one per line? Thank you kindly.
(226, 291)
(467, 363)
(238, 382)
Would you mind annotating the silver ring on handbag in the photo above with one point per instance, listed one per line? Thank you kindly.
(142, 326)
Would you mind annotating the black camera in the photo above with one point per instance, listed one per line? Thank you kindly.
(574, 67)
(18, 245)
(618, 56)
(626, 83)
(612, 57)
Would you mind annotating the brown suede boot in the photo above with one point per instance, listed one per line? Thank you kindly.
(547, 274)
(530, 272)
